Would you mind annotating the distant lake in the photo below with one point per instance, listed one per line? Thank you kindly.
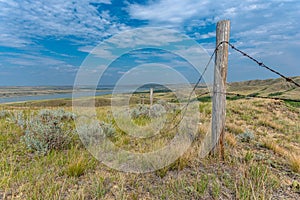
(86, 92)
(44, 97)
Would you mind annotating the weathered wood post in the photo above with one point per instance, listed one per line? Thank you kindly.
(219, 88)
(151, 97)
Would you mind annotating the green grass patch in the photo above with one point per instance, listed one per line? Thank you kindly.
(295, 104)
(204, 99)
(253, 94)
(275, 94)
(76, 168)
(233, 98)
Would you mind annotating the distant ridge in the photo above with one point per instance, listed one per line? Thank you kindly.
(269, 87)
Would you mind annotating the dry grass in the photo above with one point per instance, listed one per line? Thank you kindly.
(274, 147)
(230, 139)
(293, 159)
(234, 128)
(246, 172)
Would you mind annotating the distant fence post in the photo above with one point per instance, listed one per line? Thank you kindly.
(219, 87)
(151, 97)
(143, 99)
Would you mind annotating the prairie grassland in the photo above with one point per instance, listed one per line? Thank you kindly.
(261, 158)
(268, 88)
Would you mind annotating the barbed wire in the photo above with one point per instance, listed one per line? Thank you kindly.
(261, 64)
(194, 89)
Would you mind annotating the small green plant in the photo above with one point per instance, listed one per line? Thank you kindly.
(249, 156)
(205, 108)
(296, 186)
(256, 183)
(162, 172)
(76, 168)
(216, 189)
(178, 165)
(100, 188)
(202, 184)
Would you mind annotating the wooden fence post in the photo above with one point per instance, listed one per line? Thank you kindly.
(151, 97)
(219, 88)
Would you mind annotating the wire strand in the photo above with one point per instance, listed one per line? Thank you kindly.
(261, 64)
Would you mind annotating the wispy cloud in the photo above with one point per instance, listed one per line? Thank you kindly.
(266, 29)
(169, 11)
(22, 60)
(23, 21)
(32, 31)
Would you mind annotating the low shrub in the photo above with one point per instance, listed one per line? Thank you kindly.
(4, 114)
(246, 137)
(56, 114)
(155, 111)
(108, 129)
(91, 133)
(48, 130)
(141, 111)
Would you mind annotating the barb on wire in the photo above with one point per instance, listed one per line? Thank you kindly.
(261, 64)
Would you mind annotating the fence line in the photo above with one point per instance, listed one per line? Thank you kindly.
(193, 90)
(261, 64)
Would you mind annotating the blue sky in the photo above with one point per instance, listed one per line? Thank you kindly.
(45, 42)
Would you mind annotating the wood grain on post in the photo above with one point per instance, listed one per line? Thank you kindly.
(219, 88)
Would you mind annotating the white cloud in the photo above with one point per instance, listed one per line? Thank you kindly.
(101, 51)
(19, 60)
(205, 36)
(266, 29)
(169, 11)
(12, 40)
(22, 21)
(248, 18)
(145, 37)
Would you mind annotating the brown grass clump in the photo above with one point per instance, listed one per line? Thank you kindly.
(275, 147)
(294, 160)
(230, 139)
